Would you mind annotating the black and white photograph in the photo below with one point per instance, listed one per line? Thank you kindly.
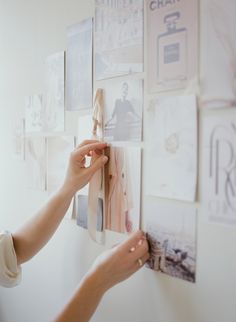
(123, 110)
(171, 233)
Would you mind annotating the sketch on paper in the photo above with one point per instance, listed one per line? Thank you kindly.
(122, 189)
(34, 113)
(35, 157)
(123, 110)
(118, 38)
(82, 212)
(219, 159)
(219, 84)
(58, 153)
(79, 66)
(172, 148)
(54, 102)
(172, 44)
(19, 138)
(171, 233)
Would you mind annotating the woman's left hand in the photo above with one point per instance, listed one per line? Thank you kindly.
(78, 175)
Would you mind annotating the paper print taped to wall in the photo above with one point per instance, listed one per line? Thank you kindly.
(172, 148)
(58, 154)
(219, 54)
(82, 212)
(123, 110)
(172, 44)
(79, 66)
(35, 157)
(118, 38)
(19, 138)
(54, 102)
(219, 168)
(171, 233)
(34, 115)
(122, 189)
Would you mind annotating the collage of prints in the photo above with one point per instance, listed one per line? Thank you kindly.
(180, 86)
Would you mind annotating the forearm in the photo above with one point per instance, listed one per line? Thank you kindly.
(35, 234)
(84, 302)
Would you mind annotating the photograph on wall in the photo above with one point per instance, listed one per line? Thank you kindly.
(122, 186)
(219, 168)
(82, 212)
(54, 99)
(59, 149)
(79, 66)
(35, 157)
(34, 114)
(123, 110)
(172, 44)
(18, 138)
(172, 148)
(118, 38)
(219, 54)
(171, 233)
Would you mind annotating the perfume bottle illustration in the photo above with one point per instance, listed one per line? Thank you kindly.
(172, 54)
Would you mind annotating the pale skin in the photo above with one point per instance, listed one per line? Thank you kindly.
(110, 268)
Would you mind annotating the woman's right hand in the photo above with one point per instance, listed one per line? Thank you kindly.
(123, 260)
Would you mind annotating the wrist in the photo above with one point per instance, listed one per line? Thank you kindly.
(96, 283)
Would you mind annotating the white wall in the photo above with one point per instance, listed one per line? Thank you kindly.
(30, 30)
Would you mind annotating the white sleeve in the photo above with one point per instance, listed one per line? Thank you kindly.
(10, 272)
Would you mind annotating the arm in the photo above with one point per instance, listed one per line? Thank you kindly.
(36, 233)
(110, 268)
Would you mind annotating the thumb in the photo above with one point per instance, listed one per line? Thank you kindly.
(98, 164)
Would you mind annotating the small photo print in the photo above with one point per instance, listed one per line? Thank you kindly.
(171, 233)
(54, 102)
(118, 38)
(122, 189)
(123, 110)
(79, 67)
(82, 212)
(34, 114)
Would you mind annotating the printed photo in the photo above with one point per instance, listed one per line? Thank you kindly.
(34, 114)
(171, 233)
(79, 66)
(35, 157)
(123, 110)
(172, 29)
(54, 100)
(219, 49)
(118, 38)
(82, 212)
(122, 186)
(172, 148)
(219, 170)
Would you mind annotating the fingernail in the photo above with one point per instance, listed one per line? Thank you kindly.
(140, 242)
(132, 249)
(104, 159)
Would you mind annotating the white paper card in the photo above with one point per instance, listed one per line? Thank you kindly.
(172, 148)
(219, 168)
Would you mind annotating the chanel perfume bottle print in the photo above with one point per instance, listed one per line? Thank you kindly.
(172, 53)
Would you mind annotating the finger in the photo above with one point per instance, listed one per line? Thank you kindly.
(142, 260)
(80, 153)
(141, 250)
(97, 164)
(133, 240)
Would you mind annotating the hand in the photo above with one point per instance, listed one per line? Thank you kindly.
(120, 262)
(77, 174)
